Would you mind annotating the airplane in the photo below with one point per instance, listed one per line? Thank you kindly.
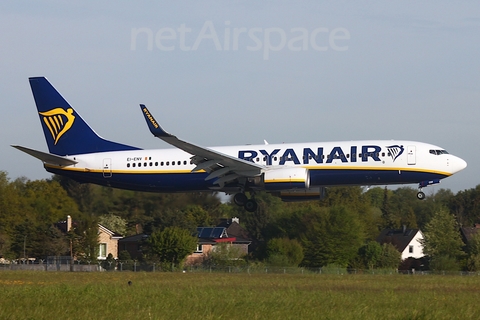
(291, 171)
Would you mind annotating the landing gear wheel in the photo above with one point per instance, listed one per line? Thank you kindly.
(240, 199)
(420, 195)
(251, 205)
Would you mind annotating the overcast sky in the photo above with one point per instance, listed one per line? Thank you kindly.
(238, 72)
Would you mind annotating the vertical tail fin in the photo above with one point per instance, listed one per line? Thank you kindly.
(65, 130)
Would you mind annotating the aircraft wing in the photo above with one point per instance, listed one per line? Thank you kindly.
(222, 166)
(47, 157)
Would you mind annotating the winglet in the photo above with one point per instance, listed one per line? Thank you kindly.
(153, 125)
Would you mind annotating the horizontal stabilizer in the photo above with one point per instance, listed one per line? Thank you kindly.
(47, 157)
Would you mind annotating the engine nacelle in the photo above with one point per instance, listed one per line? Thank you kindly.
(286, 179)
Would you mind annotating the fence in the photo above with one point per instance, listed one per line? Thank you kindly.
(64, 264)
(54, 263)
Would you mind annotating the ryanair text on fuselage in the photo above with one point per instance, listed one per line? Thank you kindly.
(337, 153)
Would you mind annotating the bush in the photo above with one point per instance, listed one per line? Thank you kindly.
(284, 252)
(444, 263)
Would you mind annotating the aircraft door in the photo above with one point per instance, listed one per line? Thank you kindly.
(411, 157)
(107, 168)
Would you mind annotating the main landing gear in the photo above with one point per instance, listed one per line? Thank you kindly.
(241, 199)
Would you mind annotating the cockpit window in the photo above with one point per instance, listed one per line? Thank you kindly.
(438, 152)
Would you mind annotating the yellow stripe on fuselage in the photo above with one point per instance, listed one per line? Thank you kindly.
(78, 169)
(361, 168)
(323, 167)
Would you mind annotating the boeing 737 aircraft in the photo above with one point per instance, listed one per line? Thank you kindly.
(294, 172)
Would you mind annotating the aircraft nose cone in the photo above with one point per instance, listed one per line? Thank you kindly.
(458, 164)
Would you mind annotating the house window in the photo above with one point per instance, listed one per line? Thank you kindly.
(199, 248)
(410, 249)
(102, 252)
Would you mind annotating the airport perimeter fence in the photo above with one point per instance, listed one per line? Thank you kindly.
(65, 264)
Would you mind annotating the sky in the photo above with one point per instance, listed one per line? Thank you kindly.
(237, 72)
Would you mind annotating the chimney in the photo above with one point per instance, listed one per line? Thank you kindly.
(69, 223)
(404, 229)
(235, 219)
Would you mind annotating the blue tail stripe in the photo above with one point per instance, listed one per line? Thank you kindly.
(65, 131)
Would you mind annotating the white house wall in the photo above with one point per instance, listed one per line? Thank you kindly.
(417, 247)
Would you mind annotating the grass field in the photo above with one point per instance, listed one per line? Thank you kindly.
(107, 295)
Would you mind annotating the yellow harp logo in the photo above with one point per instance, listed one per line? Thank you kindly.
(58, 121)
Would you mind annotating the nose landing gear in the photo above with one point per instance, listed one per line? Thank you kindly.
(423, 184)
(420, 195)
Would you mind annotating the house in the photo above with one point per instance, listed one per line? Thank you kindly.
(133, 245)
(228, 231)
(407, 241)
(107, 239)
(469, 232)
(107, 242)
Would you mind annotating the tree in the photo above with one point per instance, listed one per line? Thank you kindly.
(374, 255)
(473, 253)
(85, 238)
(284, 252)
(225, 254)
(331, 236)
(114, 223)
(466, 205)
(442, 241)
(50, 241)
(390, 257)
(370, 254)
(172, 245)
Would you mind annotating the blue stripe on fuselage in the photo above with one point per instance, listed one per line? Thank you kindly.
(335, 177)
(188, 182)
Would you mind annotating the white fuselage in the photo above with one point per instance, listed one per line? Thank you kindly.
(372, 162)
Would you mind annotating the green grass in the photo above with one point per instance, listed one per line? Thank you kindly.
(106, 295)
